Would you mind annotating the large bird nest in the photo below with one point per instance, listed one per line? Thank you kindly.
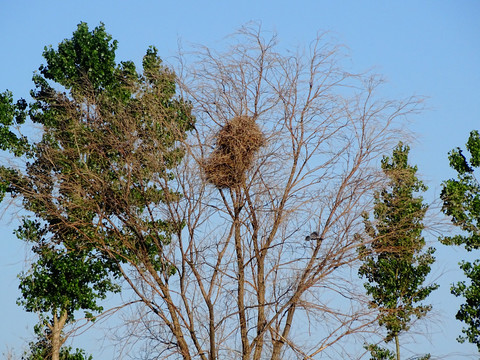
(236, 145)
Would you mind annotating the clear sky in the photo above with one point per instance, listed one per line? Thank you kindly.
(429, 48)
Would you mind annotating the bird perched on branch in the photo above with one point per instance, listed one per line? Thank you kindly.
(313, 236)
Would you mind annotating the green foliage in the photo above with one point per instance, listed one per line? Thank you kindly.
(63, 280)
(461, 201)
(379, 353)
(394, 262)
(82, 63)
(59, 283)
(11, 115)
(41, 350)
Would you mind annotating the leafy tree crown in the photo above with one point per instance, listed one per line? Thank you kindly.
(394, 262)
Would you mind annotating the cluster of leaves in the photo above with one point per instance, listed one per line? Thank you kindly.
(12, 114)
(41, 349)
(461, 201)
(63, 281)
(379, 353)
(394, 262)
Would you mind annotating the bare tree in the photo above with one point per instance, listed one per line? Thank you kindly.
(245, 249)
(265, 256)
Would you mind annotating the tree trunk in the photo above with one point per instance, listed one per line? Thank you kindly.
(397, 345)
(241, 286)
(56, 337)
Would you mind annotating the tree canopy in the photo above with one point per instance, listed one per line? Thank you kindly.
(461, 201)
(395, 262)
(109, 137)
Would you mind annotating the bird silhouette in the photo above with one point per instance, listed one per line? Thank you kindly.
(313, 236)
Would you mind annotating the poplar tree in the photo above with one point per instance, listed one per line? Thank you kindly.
(94, 181)
(395, 261)
(57, 285)
(461, 201)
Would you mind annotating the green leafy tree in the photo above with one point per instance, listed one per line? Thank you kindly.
(97, 179)
(461, 201)
(395, 262)
(58, 284)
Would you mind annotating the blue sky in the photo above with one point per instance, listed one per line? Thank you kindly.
(429, 48)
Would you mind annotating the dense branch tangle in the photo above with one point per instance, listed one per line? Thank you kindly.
(256, 281)
(227, 271)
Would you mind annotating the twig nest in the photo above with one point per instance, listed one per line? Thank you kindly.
(236, 145)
